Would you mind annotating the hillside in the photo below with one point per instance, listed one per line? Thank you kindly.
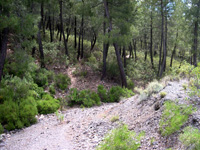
(85, 128)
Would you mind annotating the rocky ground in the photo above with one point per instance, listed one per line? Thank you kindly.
(83, 129)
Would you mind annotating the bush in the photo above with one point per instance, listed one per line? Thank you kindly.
(121, 139)
(62, 81)
(173, 117)
(14, 115)
(85, 98)
(43, 77)
(102, 93)
(190, 138)
(52, 89)
(27, 111)
(114, 94)
(1, 129)
(14, 88)
(153, 87)
(47, 105)
(163, 94)
(130, 84)
(195, 83)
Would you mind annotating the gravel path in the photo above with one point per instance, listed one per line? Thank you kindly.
(83, 129)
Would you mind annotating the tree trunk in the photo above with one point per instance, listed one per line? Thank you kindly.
(135, 49)
(121, 68)
(50, 28)
(79, 45)
(151, 41)
(105, 49)
(42, 18)
(3, 50)
(75, 42)
(145, 47)
(195, 43)
(82, 34)
(93, 41)
(164, 42)
(62, 30)
(124, 53)
(40, 46)
(174, 50)
(162, 39)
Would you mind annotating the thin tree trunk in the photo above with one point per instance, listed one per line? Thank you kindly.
(174, 50)
(82, 34)
(151, 41)
(135, 49)
(105, 49)
(195, 43)
(121, 68)
(42, 18)
(162, 39)
(145, 47)
(62, 30)
(53, 27)
(93, 41)
(50, 28)
(164, 42)
(124, 53)
(3, 50)
(40, 46)
(75, 42)
(79, 45)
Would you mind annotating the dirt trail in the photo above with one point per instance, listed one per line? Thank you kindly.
(83, 129)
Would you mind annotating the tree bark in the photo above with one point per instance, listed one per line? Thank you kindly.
(75, 42)
(39, 39)
(164, 33)
(62, 30)
(124, 53)
(82, 35)
(135, 49)
(174, 50)
(151, 41)
(3, 50)
(79, 45)
(121, 68)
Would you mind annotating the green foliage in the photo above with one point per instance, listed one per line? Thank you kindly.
(43, 77)
(121, 139)
(195, 82)
(47, 105)
(190, 138)
(60, 116)
(114, 119)
(163, 94)
(52, 89)
(21, 64)
(1, 129)
(62, 81)
(85, 98)
(153, 87)
(14, 88)
(114, 94)
(102, 92)
(130, 84)
(173, 117)
(112, 69)
(15, 115)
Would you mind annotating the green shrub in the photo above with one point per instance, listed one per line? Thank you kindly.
(102, 92)
(163, 94)
(62, 81)
(195, 83)
(173, 117)
(1, 129)
(36, 91)
(21, 63)
(114, 94)
(114, 119)
(41, 77)
(16, 116)
(85, 98)
(127, 93)
(121, 139)
(112, 70)
(191, 138)
(47, 105)
(27, 111)
(52, 89)
(14, 88)
(153, 87)
(130, 84)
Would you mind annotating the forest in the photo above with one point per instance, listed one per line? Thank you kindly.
(99, 74)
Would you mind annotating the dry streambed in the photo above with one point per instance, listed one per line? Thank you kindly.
(83, 129)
